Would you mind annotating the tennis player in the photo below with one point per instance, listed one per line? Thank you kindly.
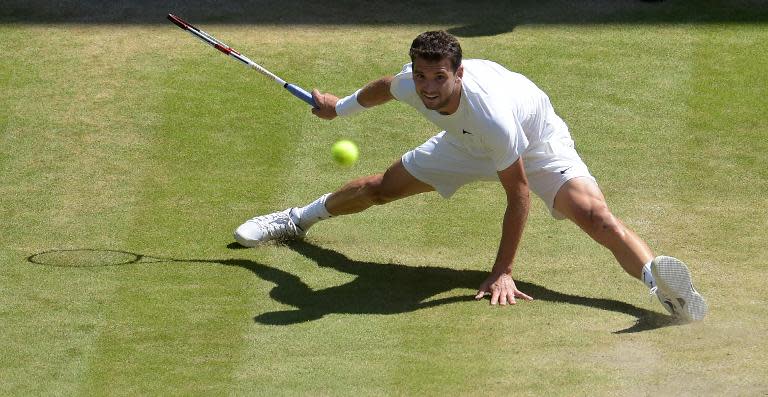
(497, 126)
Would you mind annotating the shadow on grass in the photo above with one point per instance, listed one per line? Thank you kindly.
(378, 288)
(463, 18)
(389, 288)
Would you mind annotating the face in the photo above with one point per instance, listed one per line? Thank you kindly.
(437, 85)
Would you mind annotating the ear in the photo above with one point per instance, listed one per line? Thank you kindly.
(460, 71)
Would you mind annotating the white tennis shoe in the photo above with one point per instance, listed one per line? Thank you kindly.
(277, 226)
(675, 289)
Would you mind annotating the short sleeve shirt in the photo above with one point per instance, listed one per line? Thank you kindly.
(500, 114)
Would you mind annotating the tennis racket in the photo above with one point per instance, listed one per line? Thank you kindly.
(297, 91)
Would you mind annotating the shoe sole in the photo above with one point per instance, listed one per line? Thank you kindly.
(244, 241)
(674, 280)
(255, 243)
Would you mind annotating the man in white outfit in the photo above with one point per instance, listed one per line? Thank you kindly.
(496, 125)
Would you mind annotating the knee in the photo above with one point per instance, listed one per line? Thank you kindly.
(375, 191)
(603, 226)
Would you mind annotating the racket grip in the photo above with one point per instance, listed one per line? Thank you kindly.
(299, 92)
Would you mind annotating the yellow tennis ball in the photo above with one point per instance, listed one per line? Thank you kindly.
(345, 152)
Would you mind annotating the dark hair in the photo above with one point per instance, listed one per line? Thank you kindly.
(436, 45)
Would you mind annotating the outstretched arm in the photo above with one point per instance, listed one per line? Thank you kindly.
(373, 94)
(500, 284)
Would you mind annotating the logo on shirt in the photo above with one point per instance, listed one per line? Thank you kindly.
(466, 132)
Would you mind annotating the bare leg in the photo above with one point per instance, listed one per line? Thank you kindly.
(362, 193)
(581, 201)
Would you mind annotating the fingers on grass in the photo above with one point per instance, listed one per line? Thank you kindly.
(511, 298)
(495, 297)
(523, 295)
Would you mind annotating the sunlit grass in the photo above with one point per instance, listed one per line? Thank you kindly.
(141, 139)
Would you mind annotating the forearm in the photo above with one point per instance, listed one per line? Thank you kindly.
(374, 93)
(515, 218)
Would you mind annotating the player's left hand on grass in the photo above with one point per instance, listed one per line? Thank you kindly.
(502, 289)
(326, 105)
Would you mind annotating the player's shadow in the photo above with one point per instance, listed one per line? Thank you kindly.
(388, 288)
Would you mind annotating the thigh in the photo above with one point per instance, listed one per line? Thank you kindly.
(398, 183)
(550, 166)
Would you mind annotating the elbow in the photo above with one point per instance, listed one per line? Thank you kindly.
(521, 188)
(520, 196)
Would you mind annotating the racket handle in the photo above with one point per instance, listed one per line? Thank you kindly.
(299, 92)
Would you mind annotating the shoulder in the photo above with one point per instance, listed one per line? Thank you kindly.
(489, 81)
(488, 75)
(485, 83)
(484, 68)
(402, 85)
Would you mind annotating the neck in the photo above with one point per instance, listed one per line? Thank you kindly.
(453, 104)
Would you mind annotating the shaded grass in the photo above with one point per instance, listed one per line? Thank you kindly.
(164, 153)
(479, 18)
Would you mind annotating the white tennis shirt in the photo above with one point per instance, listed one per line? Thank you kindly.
(501, 113)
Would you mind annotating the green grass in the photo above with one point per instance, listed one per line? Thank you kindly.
(141, 139)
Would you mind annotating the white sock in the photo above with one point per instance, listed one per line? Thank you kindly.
(648, 276)
(312, 213)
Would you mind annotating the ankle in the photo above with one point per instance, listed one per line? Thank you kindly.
(306, 216)
(647, 277)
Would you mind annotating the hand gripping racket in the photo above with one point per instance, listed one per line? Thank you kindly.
(297, 91)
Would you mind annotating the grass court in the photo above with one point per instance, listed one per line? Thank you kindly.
(120, 132)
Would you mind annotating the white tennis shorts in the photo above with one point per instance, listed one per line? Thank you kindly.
(446, 167)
